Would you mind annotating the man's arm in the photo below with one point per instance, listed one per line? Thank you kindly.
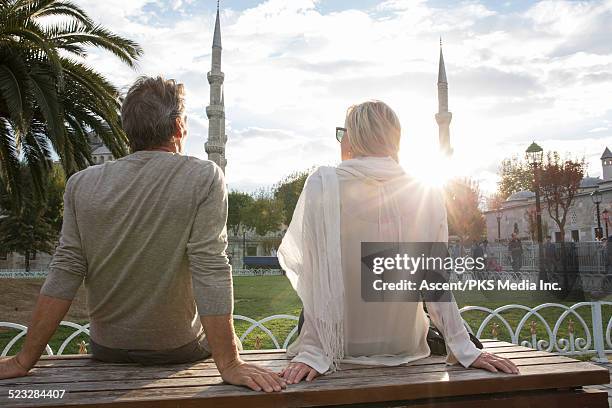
(47, 316)
(211, 277)
(66, 273)
(222, 341)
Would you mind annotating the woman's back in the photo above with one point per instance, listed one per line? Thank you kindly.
(383, 206)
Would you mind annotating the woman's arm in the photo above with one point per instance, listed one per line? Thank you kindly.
(310, 360)
(446, 317)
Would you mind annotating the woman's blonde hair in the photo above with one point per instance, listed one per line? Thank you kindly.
(373, 129)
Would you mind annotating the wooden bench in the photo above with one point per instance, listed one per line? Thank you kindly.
(546, 380)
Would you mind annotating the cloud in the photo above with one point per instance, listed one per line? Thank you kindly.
(292, 68)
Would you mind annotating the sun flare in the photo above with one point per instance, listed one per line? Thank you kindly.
(429, 166)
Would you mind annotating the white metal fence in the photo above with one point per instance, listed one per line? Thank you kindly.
(586, 257)
(42, 273)
(580, 329)
(257, 272)
(22, 273)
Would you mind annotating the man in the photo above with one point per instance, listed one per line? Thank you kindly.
(550, 259)
(146, 233)
(478, 253)
(515, 247)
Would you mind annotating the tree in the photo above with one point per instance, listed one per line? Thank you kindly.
(288, 192)
(465, 219)
(494, 201)
(49, 99)
(33, 224)
(531, 217)
(559, 182)
(265, 214)
(515, 175)
(238, 205)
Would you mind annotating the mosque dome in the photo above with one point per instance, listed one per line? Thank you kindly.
(590, 182)
(521, 195)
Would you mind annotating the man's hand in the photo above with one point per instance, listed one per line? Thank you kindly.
(223, 345)
(295, 372)
(252, 376)
(11, 368)
(493, 363)
(47, 315)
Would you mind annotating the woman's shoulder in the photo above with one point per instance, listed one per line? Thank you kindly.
(315, 179)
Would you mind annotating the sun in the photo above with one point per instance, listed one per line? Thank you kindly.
(428, 165)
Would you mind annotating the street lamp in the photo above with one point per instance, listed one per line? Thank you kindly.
(535, 155)
(596, 197)
(499, 217)
(606, 216)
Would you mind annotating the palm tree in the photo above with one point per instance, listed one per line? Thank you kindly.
(49, 98)
(33, 225)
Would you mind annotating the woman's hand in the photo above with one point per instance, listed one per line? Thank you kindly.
(295, 372)
(493, 363)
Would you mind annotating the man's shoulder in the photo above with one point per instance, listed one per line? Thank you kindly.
(87, 173)
(204, 165)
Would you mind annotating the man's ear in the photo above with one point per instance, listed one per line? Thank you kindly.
(179, 128)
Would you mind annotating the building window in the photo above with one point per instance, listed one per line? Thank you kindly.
(3, 255)
(558, 237)
(573, 218)
(575, 235)
(101, 159)
(516, 229)
(252, 250)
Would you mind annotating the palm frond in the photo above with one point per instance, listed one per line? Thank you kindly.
(64, 9)
(12, 78)
(9, 161)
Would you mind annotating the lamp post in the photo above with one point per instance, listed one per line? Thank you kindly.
(596, 197)
(535, 155)
(606, 216)
(499, 217)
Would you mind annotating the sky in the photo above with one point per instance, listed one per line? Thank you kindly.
(518, 71)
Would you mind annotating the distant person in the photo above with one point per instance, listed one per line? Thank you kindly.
(550, 260)
(515, 248)
(478, 253)
(609, 255)
(367, 198)
(146, 234)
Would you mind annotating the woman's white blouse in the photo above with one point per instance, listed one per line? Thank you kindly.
(387, 333)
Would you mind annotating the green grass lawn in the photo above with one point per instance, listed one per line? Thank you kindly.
(262, 296)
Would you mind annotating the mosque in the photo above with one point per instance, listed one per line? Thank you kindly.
(246, 243)
(514, 215)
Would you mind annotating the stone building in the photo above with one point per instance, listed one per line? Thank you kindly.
(518, 210)
(99, 152)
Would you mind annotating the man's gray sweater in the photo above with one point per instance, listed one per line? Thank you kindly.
(147, 235)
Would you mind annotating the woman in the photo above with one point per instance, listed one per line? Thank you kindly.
(367, 198)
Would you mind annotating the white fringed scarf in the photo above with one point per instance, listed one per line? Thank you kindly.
(310, 252)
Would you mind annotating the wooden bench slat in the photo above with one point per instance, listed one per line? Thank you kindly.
(334, 390)
(89, 383)
(101, 372)
(123, 381)
(88, 361)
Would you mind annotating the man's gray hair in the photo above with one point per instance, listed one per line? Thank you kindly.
(149, 111)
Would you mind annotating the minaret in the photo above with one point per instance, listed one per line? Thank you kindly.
(215, 146)
(606, 164)
(443, 117)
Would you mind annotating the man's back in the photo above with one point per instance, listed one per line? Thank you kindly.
(133, 227)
